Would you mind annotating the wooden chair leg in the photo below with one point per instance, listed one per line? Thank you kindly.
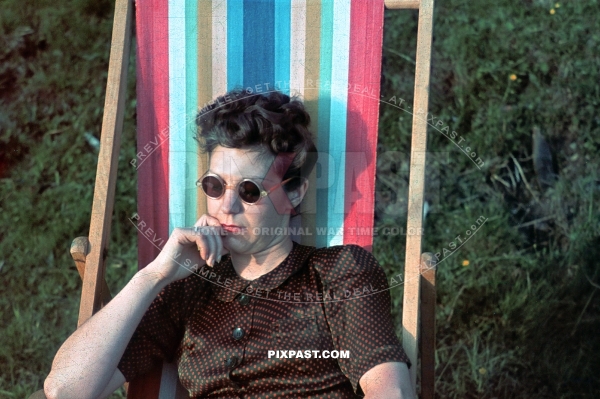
(427, 328)
(416, 185)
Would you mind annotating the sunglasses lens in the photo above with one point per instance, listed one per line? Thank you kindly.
(212, 186)
(249, 192)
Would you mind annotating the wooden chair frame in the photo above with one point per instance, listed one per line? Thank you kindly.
(419, 292)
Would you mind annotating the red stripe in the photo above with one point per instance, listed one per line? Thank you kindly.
(146, 386)
(152, 127)
(366, 36)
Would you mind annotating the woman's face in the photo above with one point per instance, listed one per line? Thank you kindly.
(251, 228)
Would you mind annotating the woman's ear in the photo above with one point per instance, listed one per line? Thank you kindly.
(296, 196)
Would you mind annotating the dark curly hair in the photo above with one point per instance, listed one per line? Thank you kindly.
(273, 120)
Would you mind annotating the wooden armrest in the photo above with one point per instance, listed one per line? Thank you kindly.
(38, 395)
(402, 4)
(80, 248)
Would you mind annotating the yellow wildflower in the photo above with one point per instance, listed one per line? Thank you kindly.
(557, 5)
(513, 77)
(552, 11)
(482, 371)
(465, 262)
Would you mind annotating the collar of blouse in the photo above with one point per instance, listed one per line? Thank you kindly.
(227, 284)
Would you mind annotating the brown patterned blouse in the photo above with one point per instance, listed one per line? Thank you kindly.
(317, 303)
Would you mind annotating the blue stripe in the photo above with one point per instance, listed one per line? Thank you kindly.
(327, 168)
(191, 72)
(283, 11)
(339, 113)
(322, 220)
(259, 44)
(235, 43)
(177, 108)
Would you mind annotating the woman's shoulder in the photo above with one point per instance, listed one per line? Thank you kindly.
(342, 261)
(185, 290)
(342, 251)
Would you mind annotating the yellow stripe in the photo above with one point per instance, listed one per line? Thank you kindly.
(311, 95)
(297, 47)
(219, 48)
(205, 87)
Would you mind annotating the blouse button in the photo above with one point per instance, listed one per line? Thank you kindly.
(244, 300)
(232, 362)
(238, 333)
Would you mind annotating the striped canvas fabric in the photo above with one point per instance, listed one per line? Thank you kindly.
(191, 51)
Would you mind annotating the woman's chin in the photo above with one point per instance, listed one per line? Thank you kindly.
(249, 244)
(235, 243)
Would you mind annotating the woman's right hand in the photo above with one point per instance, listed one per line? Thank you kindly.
(188, 249)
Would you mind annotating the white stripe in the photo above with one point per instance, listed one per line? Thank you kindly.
(297, 47)
(219, 48)
(168, 381)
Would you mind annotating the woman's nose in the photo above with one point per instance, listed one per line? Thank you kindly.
(230, 201)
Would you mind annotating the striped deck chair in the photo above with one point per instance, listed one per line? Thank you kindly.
(328, 53)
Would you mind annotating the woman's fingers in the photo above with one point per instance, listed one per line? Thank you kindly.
(211, 244)
(211, 221)
(219, 241)
(203, 247)
(192, 245)
(214, 222)
(203, 238)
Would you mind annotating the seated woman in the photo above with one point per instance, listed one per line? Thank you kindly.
(246, 312)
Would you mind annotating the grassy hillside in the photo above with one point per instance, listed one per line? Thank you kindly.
(518, 312)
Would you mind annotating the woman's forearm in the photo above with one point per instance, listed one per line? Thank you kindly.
(87, 360)
(388, 380)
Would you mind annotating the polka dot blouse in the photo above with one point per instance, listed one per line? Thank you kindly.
(228, 335)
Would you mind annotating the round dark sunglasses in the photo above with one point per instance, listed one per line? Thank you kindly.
(249, 191)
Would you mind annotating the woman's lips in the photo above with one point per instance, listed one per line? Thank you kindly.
(231, 228)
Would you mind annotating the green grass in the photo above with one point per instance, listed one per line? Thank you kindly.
(519, 321)
(52, 80)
